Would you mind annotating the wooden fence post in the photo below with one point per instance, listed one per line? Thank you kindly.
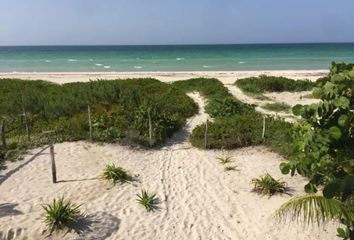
(206, 134)
(26, 119)
(89, 121)
(150, 129)
(264, 128)
(27, 126)
(54, 169)
(3, 133)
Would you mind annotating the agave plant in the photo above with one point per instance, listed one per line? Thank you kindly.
(267, 185)
(116, 174)
(61, 214)
(224, 159)
(147, 200)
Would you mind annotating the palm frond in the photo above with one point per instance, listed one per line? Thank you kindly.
(315, 209)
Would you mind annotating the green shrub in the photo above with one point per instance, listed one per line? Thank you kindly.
(61, 214)
(227, 107)
(310, 96)
(220, 103)
(341, 68)
(277, 107)
(2, 158)
(279, 136)
(228, 133)
(323, 152)
(116, 174)
(267, 185)
(263, 83)
(148, 200)
(119, 110)
(322, 81)
(245, 130)
(235, 124)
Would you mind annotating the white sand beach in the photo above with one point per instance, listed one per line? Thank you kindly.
(198, 199)
(227, 77)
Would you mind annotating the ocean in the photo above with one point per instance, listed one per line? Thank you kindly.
(236, 57)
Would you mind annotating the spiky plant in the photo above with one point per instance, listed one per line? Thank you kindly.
(116, 174)
(224, 159)
(315, 208)
(61, 214)
(267, 185)
(231, 168)
(148, 200)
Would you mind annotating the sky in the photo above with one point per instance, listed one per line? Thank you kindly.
(134, 22)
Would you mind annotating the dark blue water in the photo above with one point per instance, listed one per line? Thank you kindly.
(174, 57)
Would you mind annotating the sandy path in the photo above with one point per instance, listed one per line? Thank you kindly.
(290, 98)
(198, 199)
(237, 93)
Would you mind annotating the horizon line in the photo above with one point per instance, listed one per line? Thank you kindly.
(174, 44)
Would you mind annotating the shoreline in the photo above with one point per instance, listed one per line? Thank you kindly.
(227, 77)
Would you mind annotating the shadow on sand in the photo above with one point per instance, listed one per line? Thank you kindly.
(77, 180)
(96, 226)
(8, 209)
(13, 171)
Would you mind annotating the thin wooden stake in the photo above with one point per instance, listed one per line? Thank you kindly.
(89, 121)
(54, 169)
(3, 133)
(206, 135)
(150, 129)
(26, 119)
(264, 128)
(27, 126)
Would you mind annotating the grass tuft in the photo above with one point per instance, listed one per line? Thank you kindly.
(267, 185)
(224, 159)
(61, 214)
(116, 174)
(148, 200)
(231, 168)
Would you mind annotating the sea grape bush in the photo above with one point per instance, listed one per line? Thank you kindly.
(324, 142)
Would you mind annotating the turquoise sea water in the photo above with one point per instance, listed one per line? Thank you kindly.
(173, 57)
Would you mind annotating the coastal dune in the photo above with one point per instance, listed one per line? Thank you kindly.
(198, 199)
